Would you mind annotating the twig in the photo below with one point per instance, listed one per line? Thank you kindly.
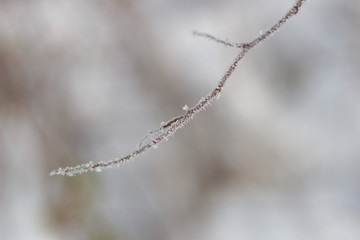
(212, 38)
(169, 128)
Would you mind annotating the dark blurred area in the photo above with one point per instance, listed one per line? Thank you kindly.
(277, 157)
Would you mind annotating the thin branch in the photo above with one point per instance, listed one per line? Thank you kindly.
(167, 129)
(212, 38)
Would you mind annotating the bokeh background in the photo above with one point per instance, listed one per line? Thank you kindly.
(277, 157)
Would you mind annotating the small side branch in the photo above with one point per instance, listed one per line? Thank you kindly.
(212, 38)
(169, 128)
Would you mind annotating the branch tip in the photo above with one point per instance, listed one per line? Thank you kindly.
(217, 40)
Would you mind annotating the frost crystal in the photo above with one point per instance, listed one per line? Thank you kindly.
(218, 96)
(185, 108)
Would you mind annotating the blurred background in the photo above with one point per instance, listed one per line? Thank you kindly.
(277, 157)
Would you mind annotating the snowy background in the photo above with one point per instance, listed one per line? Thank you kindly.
(277, 157)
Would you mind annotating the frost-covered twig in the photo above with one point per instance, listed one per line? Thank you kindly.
(212, 38)
(167, 129)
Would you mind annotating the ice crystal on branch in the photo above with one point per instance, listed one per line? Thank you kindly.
(168, 129)
(185, 108)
